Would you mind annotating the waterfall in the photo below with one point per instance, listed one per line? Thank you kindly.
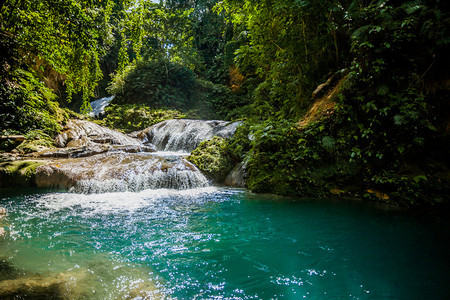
(121, 172)
(185, 135)
(103, 160)
(98, 106)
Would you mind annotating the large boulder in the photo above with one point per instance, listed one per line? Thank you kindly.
(213, 158)
(83, 138)
(236, 178)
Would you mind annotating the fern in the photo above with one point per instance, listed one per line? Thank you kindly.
(412, 6)
(328, 142)
(398, 120)
(361, 32)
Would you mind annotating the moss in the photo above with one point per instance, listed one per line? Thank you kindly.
(18, 173)
(213, 158)
(36, 140)
(132, 117)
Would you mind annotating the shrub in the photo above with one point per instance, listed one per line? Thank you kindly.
(155, 83)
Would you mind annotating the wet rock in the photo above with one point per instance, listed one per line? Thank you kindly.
(85, 151)
(51, 176)
(144, 290)
(18, 173)
(213, 158)
(236, 177)
(82, 133)
(112, 172)
(33, 288)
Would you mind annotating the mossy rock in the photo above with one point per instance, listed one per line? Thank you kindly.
(29, 146)
(18, 173)
(36, 141)
(213, 158)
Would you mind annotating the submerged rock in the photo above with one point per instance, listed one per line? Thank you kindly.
(35, 287)
(185, 135)
(143, 290)
(38, 286)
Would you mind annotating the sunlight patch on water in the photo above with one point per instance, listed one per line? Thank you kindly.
(171, 153)
(114, 202)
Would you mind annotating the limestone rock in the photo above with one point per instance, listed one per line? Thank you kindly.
(18, 173)
(236, 177)
(37, 286)
(93, 149)
(81, 133)
(112, 172)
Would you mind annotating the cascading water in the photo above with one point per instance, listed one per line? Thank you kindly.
(98, 106)
(120, 172)
(116, 170)
(185, 135)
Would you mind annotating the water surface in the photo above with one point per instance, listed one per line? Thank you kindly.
(221, 243)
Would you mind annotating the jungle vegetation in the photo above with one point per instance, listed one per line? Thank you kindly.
(338, 97)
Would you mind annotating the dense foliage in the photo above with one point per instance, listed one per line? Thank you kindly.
(50, 49)
(285, 47)
(166, 84)
(387, 135)
(156, 83)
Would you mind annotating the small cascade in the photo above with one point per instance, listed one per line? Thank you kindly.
(98, 106)
(185, 135)
(99, 160)
(121, 172)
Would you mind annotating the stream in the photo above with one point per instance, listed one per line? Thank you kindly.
(101, 239)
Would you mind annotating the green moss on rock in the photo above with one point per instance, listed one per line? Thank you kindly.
(18, 173)
(36, 140)
(213, 158)
(132, 117)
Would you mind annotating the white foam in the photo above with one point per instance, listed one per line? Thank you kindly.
(114, 202)
(98, 106)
